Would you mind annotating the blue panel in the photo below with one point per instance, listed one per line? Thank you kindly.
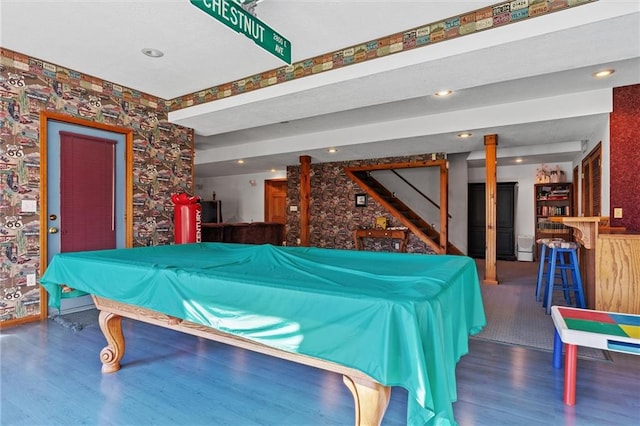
(623, 319)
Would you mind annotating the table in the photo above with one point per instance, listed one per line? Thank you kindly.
(595, 329)
(381, 319)
(399, 234)
(370, 397)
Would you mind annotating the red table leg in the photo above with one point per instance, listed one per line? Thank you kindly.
(570, 363)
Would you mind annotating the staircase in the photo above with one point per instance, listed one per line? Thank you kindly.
(423, 230)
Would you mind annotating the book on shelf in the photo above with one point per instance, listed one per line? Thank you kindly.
(553, 210)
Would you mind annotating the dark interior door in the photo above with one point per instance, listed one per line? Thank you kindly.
(505, 233)
(477, 218)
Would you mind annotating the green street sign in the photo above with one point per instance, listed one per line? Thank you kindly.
(235, 17)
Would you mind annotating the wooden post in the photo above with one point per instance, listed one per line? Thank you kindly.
(490, 272)
(444, 206)
(305, 193)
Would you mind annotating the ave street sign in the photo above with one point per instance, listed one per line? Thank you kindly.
(235, 17)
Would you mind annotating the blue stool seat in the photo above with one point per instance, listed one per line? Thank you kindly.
(543, 264)
(569, 266)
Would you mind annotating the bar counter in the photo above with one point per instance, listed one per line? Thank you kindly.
(609, 262)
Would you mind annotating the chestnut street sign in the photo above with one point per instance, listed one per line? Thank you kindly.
(235, 17)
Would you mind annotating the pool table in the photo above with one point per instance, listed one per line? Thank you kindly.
(380, 319)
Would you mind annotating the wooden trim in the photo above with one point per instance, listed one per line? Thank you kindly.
(305, 196)
(395, 166)
(490, 274)
(45, 116)
(574, 197)
(592, 162)
(444, 206)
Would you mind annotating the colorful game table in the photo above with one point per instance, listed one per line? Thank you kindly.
(595, 329)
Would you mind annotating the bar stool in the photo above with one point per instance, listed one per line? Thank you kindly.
(544, 261)
(557, 252)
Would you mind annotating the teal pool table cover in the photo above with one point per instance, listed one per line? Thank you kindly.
(403, 319)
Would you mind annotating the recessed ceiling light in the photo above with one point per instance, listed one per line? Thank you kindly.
(152, 53)
(464, 135)
(240, 161)
(443, 93)
(332, 150)
(603, 73)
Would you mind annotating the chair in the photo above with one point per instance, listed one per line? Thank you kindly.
(544, 261)
(557, 262)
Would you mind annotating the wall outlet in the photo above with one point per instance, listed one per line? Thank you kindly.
(293, 208)
(397, 246)
(617, 213)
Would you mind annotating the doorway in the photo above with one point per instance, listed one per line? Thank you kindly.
(85, 190)
(592, 182)
(275, 200)
(505, 232)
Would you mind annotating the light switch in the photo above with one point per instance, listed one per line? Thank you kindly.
(28, 206)
(293, 208)
(31, 280)
(617, 213)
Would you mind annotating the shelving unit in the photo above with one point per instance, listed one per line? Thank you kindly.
(552, 199)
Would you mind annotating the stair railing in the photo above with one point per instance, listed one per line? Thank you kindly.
(412, 186)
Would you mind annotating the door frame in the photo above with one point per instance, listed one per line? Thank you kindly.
(45, 116)
(592, 161)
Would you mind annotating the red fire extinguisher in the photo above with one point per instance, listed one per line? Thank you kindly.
(187, 218)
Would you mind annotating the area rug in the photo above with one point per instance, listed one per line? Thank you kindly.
(77, 321)
(514, 317)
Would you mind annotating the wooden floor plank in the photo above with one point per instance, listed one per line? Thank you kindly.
(51, 376)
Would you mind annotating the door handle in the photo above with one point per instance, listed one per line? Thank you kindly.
(53, 230)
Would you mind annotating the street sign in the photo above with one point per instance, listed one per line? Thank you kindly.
(235, 17)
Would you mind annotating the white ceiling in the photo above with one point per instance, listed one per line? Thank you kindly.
(529, 82)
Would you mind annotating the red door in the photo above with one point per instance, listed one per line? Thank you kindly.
(87, 192)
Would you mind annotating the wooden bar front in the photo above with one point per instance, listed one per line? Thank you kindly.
(618, 273)
(609, 262)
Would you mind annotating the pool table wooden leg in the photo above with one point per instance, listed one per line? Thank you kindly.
(111, 326)
(371, 400)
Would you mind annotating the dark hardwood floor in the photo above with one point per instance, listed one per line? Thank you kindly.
(51, 376)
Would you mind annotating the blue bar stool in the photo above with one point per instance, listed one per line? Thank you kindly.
(557, 252)
(544, 261)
